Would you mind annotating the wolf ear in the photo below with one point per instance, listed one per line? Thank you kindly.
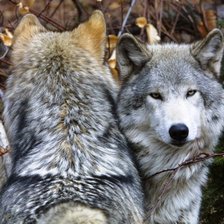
(131, 55)
(208, 52)
(92, 35)
(27, 28)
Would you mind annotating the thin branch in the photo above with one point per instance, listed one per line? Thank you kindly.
(6, 62)
(126, 18)
(57, 7)
(199, 158)
(45, 8)
(45, 18)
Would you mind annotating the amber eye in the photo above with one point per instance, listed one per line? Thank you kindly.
(156, 96)
(191, 92)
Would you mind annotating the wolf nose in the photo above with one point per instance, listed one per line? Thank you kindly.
(179, 132)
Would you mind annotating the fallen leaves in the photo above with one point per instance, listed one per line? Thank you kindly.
(24, 6)
(6, 37)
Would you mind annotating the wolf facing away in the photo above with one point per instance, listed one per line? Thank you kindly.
(171, 109)
(71, 164)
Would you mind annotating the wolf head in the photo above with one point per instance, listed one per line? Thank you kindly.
(30, 36)
(47, 68)
(170, 92)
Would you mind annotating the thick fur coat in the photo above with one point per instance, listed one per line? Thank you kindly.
(171, 109)
(71, 164)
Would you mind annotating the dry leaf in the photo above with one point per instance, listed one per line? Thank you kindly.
(152, 34)
(8, 33)
(112, 60)
(22, 9)
(115, 74)
(202, 29)
(112, 42)
(211, 18)
(6, 39)
(141, 22)
(114, 5)
(112, 66)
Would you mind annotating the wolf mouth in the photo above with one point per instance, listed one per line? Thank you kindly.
(178, 143)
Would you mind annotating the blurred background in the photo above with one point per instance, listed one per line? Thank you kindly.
(152, 21)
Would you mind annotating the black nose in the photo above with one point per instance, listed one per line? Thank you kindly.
(179, 132)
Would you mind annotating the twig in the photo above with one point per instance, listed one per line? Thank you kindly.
(6, 62)
(126, 18)
(199, 158)
(57, 7)
(165, 188)
(45, 18)
(45, 8)
(48, 20)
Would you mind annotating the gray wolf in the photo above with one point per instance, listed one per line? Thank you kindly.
(71, 164)
(171, 109)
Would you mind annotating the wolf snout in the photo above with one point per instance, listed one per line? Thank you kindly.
(178, 133)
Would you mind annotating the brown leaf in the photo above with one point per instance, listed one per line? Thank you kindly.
(6, 39)
(112, 42)
(22, 9)
(152, 34)
(114, 5)
(115, 74)
(211, 19)
(112, 60)
(141, 22)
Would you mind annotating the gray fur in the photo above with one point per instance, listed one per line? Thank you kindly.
(69, 156)
(172, 71)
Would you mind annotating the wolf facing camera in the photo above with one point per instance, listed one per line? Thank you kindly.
(171, 109)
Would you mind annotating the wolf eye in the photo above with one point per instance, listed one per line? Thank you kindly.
(191, 92)
(156, 96)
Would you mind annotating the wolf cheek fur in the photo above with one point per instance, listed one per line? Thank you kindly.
(70, 162)
(171, 108)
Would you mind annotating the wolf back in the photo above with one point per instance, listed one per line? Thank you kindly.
(71, 164)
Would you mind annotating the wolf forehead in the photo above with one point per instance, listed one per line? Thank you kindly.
(171, 64)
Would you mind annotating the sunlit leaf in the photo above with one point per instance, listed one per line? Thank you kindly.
(152, 34)
(114, 5)
(115, 73)
(7, 40)
(211, 19)
(8, 33)
(112, 60)
(112, 65)
(112, 41)
(141, 22)
(22, 9)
